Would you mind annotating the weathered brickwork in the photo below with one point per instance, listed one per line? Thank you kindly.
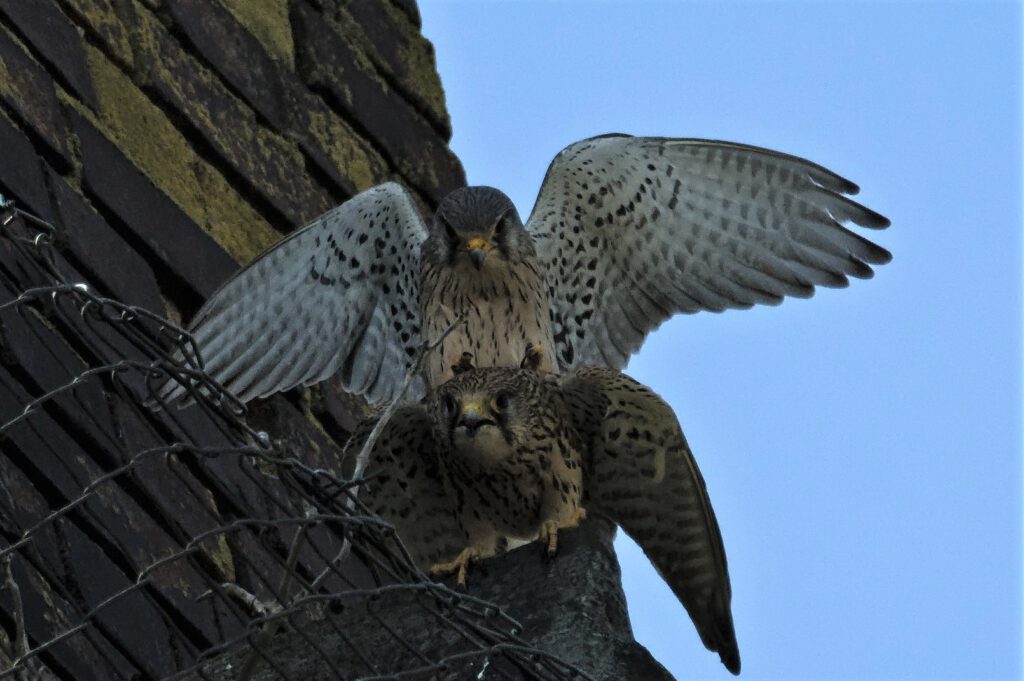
(237, 121)
(169, 141)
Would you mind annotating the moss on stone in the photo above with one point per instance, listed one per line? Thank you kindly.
(268, 159)
(103, 19)
(267, 20)
(360, 165)
(148, 138)
(417, 54)
(6, 82)
(12, 83)
(351, 33)
(416, 73)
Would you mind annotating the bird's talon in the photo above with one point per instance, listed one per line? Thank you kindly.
(552, 539)
(464, 364)
(532, 357)
(549, 529)
(460, 564)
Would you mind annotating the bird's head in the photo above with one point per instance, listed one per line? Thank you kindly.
(486, 415)
(477, 229)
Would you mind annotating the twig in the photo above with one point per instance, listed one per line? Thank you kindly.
(268, 631)
(254, 605)
(364, 453)
(30, 668)
(20, 643)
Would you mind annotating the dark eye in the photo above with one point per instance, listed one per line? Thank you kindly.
(449, 406)
(449, 231)
(501, 402)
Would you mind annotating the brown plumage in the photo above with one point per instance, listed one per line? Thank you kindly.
(479, 261)
(505, 454)
(509, 457)
(641, 473)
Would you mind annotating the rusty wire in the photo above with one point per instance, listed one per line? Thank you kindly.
(204, 524)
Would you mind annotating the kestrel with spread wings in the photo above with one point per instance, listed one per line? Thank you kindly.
(504, 454)
(626, 232)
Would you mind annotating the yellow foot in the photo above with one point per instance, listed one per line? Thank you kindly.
(461, 563)
(549, 529)
(532, 357)
(464, 364)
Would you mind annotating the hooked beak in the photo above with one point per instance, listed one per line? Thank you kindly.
(478, 249)
(472, 418)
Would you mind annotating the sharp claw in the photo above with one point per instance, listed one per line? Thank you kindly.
(464, 364)
(532, 357)
(549, 529)
(460, 564)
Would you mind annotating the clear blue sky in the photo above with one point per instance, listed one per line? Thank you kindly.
(863, 448)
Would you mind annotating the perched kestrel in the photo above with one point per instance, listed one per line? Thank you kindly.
(504, 454)
(626, 232)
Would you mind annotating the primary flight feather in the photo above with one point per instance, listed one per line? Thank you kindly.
(625, 232)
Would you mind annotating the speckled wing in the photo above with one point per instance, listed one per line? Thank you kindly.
(339, 295)
(640, 473)
(632, 230)
(404, 485)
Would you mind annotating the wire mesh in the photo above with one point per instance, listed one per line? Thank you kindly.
(143, 541)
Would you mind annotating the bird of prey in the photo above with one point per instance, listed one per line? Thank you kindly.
(626, 231)
(501, 454)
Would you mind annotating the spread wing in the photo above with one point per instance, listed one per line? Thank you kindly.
(642, 475)
(404, 485)
(340, 294)
(632, 230)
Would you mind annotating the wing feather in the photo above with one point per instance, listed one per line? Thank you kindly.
(640, 472)
(405, 487)
(342, 293)
(659, 226)
(272, 365)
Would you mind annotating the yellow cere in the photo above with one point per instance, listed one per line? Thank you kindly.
(478, 244)
(472, 407)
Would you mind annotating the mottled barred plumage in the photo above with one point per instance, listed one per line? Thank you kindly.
(641, 473)
(503, 298)
(626, 232)
(497, 453)
(633, 230)
(404, 484)
(517, 466)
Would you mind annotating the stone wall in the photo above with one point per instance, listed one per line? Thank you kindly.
(171, 140)
(168, 141)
